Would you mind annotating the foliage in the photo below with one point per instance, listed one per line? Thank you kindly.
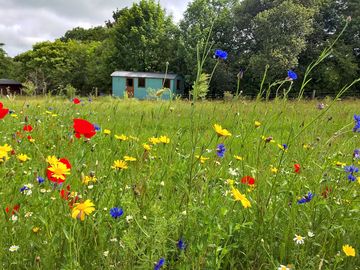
(29, 88)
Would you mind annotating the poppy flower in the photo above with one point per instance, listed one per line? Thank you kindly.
(248, 180)
(83, 127)
(297, 168)
(56, 172)
(14, 210)
(27, 128)
(3, 111)
(76, 101)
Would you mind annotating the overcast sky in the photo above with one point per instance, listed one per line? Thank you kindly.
(25, 22)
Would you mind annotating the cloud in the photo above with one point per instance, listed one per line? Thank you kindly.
(25, 22)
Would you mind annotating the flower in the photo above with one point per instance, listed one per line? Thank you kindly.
(291, 75)
(219, 54)
(146, 147)
(81, 209)
(356, 154)
(119, 165)
(40, 179)
(128, 158)
(248, 180)
(154, 140)
(202, 159)
(56, 172)
(349, 250)
(283, 147)
(159, 264)
(221, 132)
(357, 123)
(181, 244)
(97, 127)
(35, 229)
(220, 150)
(76, 101)
(3, 111)
(274, 169)
(296, 168)
(351, 170)
(116, 212)
(164, 139)
(23, 157)
(311, 234)
(299, 239)
(283, 267)
(88, 179)
(83, 127)
(6, 148)
(121, 137)
(240, 197)
(3, 156)
(107, 131)
(238, 157)
(257, 124)
(13, 248)
(27, 128)
(307, 198)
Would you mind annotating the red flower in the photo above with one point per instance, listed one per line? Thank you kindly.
(69, 196)
(248, 180)
(15, 209)
(50, 174)
(297, 168)
(27, 128)
(3, 111)
(83, 127)
(76, 101)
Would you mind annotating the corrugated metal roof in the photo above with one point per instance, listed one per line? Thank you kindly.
(131, 74)
(8, 82)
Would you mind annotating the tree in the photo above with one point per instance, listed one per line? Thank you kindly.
(97, 33)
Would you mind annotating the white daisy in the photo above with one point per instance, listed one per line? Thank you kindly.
(299, 239)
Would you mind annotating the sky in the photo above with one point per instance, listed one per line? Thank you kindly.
(25, 22)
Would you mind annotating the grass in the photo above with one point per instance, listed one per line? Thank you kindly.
(168, 195)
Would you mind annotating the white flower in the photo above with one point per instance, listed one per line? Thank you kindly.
(183, 213)
(90, 186)
(283, 267)
(113, 240)
(233, 172)
(162, 183)
(144, 217)
(13, 248)
(27, 192)
(129, 218)
(299, 239)
(311, 234)
(14, 217)
(43, 190)
(28, 214)
(106, 253)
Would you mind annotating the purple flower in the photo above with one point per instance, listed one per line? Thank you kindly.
(351, 169)
(307, 198)
(159, 264)
(40, 179)
(97, 127)
(181, 244)
(292, 75)
(219, 54)
(220, 150)
(356, 153)
(351, 177)
(116, 212)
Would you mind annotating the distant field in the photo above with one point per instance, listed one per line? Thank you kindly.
(197, 205)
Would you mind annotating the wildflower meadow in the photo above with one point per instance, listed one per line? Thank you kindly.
(124, 184)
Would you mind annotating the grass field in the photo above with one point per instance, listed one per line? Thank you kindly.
(180, 205)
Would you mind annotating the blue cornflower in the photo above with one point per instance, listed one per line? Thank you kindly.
(292, 75)
(220, 150)
(219, 54)
(351, 177)
(159, 264)
(97, 127)
(24, 188)
(351, 169)
(181, 244)
(357, 123)
(40, 179)
(356, 153)
(116, 212)
(307, 198)
(285, 146)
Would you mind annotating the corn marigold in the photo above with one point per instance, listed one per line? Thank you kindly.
(23, 157)
(57, 170)
(221, 132)
(240, 197)
(119, 165)
(81, 209)
(349, 250)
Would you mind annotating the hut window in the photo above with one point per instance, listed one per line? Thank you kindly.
(178, 83)
(141, 82)
(129, 82)
(166, 83)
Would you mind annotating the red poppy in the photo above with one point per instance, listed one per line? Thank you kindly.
(83, 127)
(67, 196)
(3, 111)
(76, 101)
(15, 209)
(29, 137)
(27, 128)
(50, 174)
(248, 180)
(297, 168)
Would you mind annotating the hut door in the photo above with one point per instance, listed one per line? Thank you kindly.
(130, 87)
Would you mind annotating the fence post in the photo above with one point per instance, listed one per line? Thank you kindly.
(313, 94)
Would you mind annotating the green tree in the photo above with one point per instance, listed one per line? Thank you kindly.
(97, 33)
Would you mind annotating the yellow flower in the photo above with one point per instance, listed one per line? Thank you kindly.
(23, 157)
(146, 147)
(59, 170)
(257, 124)
(358, 178)
(119, 165)
(268, 139)
(238, 157)
(221, 132)
(306, 146)
(3, 156)
(128, 158)
(107, 132)
(134, 138)
(5, 148)
(154, 140)
(240, 197)
(14, 115)
(282, 147)
(121, 137)
(274, 169)
(231, 182)
(201, 159)
(81, 209)
(164, 139)
(340, 164)
(52, 160)
(87, 179)
(35, 229)
(349, 250)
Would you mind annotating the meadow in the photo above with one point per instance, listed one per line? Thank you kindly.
(154, 185)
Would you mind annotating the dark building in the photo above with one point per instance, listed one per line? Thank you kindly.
(9, 87)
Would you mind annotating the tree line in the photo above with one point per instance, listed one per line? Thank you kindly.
(256, 34)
